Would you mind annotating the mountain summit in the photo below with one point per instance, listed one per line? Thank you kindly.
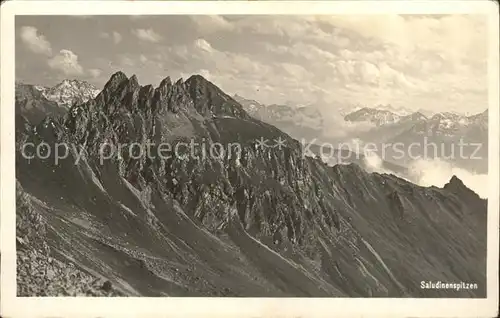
(69, 92)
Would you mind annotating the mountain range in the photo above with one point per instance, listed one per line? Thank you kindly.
(385, 126)
(445, 123)
(300, 122)
(264, 221)
(382, 117)
(68, 92)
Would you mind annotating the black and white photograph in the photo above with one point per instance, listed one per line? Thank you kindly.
(251, 154)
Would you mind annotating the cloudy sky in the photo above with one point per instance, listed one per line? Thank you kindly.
(429, 62)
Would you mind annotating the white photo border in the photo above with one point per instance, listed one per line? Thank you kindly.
(13, 306)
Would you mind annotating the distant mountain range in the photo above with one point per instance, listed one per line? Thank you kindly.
(390, 125)
(37, 101)
(69, 92)
(266, 221)
(381, 117)
(445, 123)
(300, 122)
(443, 131)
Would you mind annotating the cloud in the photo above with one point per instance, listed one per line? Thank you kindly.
(432, 172)
(368, 73)
(415, 61)
(34, 41)
(456, 37)
(374, 163)
(203, 45)
(295, 70)
(126, 61)
(115, 36)
(336, 127)
(399, 59)
(207, 24)
(148, 35)
(95, 72)
(67, 62)
(343, 63)
(437, 173)
(290, 27)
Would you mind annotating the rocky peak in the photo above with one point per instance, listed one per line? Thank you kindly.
(197, 92)
(69, 92)
(166, 82)
(133, 82)
(208, 98)
(72, 82)
(456, 186)
(123, 99)
(456, 182)
(114, 82)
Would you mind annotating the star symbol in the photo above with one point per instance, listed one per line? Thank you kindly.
(261, 143)
(280, 142)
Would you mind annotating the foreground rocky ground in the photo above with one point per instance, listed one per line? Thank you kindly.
(38, 272)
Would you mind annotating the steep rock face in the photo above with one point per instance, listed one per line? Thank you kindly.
(243, 220)
(208, 98)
